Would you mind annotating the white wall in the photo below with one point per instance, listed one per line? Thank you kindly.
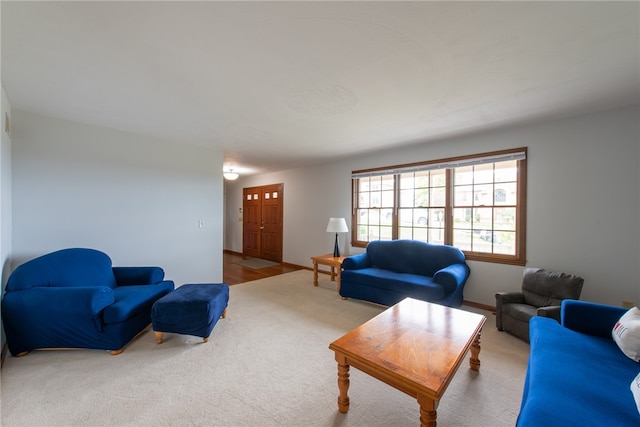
(5, 199)
(583, 201)
(136, 198)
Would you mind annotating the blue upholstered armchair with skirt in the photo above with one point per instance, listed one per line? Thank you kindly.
(74, 298)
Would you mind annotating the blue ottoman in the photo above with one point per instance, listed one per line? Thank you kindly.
(192, 309)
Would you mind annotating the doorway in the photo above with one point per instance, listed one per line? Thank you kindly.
(262, 221)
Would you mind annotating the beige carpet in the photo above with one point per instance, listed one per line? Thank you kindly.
(266, 364)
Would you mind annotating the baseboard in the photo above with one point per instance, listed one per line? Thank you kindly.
(480, 306)
(228, 251)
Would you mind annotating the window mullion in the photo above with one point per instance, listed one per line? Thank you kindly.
(396, 204)
(448, 210)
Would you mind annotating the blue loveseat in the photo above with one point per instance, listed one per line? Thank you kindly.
(577, 374)
(74, 298)
(391, 270)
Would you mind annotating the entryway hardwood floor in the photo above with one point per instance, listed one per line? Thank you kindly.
(232, 274)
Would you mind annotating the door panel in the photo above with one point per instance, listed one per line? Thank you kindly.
(272, 223)
(262, 223)
(251, 208)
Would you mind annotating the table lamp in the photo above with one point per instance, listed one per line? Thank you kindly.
(337, 225)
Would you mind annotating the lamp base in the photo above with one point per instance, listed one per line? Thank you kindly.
(336, 249)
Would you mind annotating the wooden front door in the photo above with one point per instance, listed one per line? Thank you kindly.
(262, 222)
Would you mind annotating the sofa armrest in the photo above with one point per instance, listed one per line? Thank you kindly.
(590, 318)
(451, 277)
(550, 311)
(128, 276)
(356, 262)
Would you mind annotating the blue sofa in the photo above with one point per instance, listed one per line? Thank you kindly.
(74, 298)
(391, 270)
(577, 375)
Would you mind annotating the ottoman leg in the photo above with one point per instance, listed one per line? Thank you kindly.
(158, 337)
(224, 313)
(206, 339)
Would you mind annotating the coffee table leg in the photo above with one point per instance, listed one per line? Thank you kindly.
(315, 273)
(428, 414)
(474, 361)
(343, 383)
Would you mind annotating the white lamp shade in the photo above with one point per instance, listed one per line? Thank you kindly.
(337, 225)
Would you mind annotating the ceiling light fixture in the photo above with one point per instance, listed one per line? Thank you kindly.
(230, 175)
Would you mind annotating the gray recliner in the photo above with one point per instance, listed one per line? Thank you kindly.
(542, 293)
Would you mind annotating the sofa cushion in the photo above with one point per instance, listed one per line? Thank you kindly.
(131, 300)
(421, 287)
(569, 370)
(626, 333)
(412, 256)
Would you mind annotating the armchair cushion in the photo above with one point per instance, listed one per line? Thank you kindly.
(542, 288)
(131, 300)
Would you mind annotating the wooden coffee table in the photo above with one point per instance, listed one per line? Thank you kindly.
(414, 346)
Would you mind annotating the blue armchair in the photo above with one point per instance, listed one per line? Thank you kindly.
(74, 298)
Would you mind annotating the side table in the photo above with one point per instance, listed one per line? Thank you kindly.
(334, 262)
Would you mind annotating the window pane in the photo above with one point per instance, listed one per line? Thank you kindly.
(385, 233)
(463, 175)
(405, 233)
(387, 199)
(462, 239)
(438, 178)
(406, 180)
(483, 218)
(462, 218)
(483, 195)
(505, 219)
(420, 234)
(506, 171)
(436, 235)
(463, 195)
(483, 174)
(438, 196)
(406, 198)
(506, 193)
(421, 197)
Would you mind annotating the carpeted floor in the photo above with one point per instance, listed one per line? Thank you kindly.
(266, 364)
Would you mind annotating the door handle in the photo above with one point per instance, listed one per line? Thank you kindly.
(261, 228)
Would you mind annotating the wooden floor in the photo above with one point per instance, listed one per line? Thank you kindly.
(232, 274)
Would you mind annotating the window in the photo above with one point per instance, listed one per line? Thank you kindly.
(476, 203)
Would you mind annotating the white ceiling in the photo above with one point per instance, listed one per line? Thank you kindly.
(283, 84)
